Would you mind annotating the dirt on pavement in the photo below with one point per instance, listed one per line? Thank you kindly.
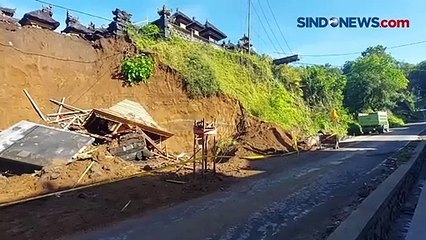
(51, 65)
(101, 205)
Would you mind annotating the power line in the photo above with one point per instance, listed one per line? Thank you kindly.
(249, 25)
(259, 36)
(279, 28)
(407, 44)
(264, 29)
(73, 10)
(359, 52)
(330, 55)
(269, 25)
(316, 64)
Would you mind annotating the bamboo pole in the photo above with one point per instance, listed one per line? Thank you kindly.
(34, 104)
(72, 108)
(84, 173)
(59, 108)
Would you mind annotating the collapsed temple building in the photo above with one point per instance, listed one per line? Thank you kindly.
(176, 24)
(181, 25)
(42, 18)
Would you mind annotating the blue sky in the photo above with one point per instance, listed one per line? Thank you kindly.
(231, 17)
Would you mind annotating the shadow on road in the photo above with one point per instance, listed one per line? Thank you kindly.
(99, 206)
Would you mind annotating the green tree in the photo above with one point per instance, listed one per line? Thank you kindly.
(417, 76)
(375, 81)
(323, 86)
(290, 76)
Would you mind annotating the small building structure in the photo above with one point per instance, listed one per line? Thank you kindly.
(9, 12)
(181, 25)
(42, 18)
(6, 15)
(75, 27)
(123, 116)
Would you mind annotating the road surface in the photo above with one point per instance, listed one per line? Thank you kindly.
(295, 197)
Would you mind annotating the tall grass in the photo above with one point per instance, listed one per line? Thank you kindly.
(249, 78)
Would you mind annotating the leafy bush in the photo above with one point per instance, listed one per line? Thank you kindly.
(395, 121)
(150, 31)
(354, 129)
(265, 92)
(138, 68)
(200, 80)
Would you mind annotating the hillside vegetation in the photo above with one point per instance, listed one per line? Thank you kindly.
(300, 99)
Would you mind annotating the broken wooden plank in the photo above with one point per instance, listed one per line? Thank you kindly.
(61, 120)
(63, 113)
(70, 122)
(67, 106)
(95, 135)
(162, 156)
(175, 181)
(60, 107)
(185, 162)
(116, 128)
(34, 104)
(151, 141)
(84, 173)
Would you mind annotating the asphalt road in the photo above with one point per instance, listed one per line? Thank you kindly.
(295, 197)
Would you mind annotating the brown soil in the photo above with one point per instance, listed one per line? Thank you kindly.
(101, 205)
(51, 65)
(48, 65)
(263, 138)
(64, 176)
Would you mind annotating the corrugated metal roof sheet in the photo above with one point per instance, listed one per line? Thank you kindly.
(39, 145)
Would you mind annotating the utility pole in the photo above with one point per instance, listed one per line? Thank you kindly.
(248, 25)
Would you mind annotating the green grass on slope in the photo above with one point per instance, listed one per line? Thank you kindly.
(209, 71)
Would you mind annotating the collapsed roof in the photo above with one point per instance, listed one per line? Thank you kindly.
(42, 18)
(122, 116)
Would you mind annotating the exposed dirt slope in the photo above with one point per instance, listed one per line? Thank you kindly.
(50, 65)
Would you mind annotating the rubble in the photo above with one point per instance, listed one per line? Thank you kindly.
(97, 33)
(27, 146)
(42, 18)
(75, 27)
(126, 130)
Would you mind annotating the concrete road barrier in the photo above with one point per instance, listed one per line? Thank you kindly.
(372, 219)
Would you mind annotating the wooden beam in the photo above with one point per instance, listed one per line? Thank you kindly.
(151, 141)
(61, 120)
(95, 135)
(112, 117)
(63, 113)
(34, 104)
(116, 128)
(60, 107)
(72, 108)
(70, 122)
(84, 173)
